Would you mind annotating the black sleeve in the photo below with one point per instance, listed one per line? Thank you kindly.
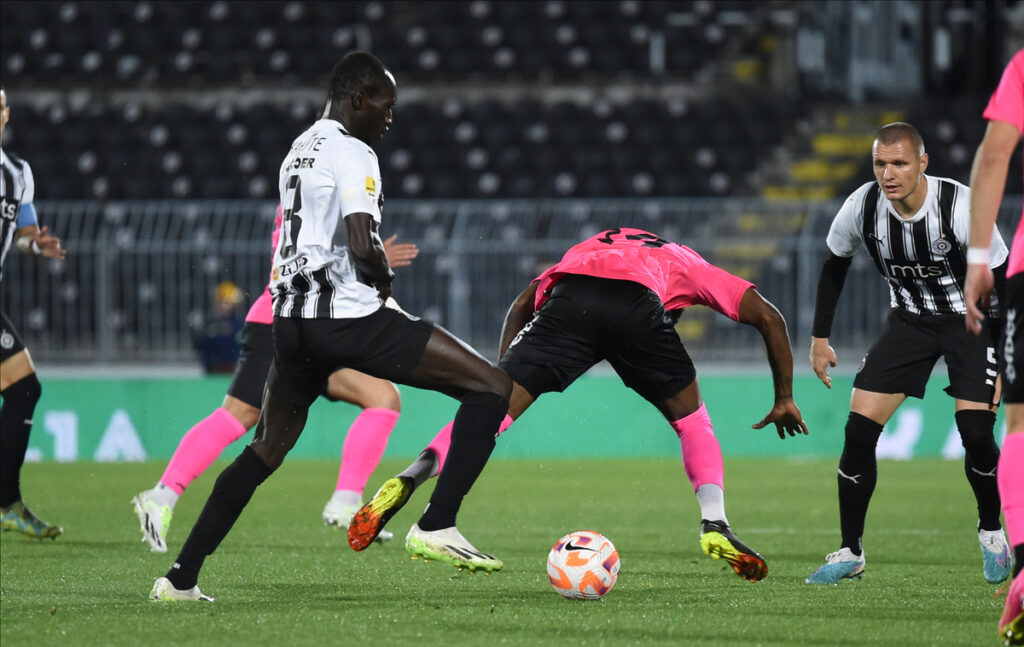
(830, 285)
(999, 286)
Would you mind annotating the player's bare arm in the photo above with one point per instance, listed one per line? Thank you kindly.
(758, 312)
(519, 313)
(34, 240)
(988, 178)
(368, 252)
(830, 286)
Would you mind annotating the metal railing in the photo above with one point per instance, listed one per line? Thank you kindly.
(138, 276)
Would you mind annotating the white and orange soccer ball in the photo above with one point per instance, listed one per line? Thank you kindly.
(583, 565)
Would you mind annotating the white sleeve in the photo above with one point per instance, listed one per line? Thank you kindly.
(998, 251)
(846, 234)
(30, 184)
(358, 180)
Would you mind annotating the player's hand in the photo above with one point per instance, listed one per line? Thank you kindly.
(787, 419)
(822, 356)
(399, 254)
(49, 246)
(977, 289)
(385, 290)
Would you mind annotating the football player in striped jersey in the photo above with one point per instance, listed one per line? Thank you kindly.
(19, 385)
(331, 284)
(914, 228)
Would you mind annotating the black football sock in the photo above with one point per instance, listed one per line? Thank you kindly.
(422, 468)
(232, 491)
(1018, 559)
(473, 435)
(858, 472)
(982, 456)
(16, 414)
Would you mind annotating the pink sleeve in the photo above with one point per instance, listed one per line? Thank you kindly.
(1007, 102)
(719, 290)
(262, 309)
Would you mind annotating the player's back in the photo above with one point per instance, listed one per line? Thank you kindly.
(677, 274)
(326, 175)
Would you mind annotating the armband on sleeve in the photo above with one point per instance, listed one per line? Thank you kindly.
(830, 286)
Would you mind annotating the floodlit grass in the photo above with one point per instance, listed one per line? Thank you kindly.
(282, 578)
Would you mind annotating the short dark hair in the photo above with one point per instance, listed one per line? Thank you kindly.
(898, 131)
(357, 71)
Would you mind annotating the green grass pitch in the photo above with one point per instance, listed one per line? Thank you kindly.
(282, 578)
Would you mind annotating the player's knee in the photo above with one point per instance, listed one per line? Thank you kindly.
(270, 454)
(976, 427)
(500, 384)
(486, 400)
(25, 391)
(861, 434)
(384, 396)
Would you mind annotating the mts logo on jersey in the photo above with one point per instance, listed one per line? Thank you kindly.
(8, 209)
(911, 270)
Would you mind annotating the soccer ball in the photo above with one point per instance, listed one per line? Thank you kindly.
(583, 565)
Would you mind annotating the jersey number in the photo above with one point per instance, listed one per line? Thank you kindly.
(650, 240)
(291, 223)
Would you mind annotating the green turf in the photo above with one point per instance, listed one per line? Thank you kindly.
(282, 578)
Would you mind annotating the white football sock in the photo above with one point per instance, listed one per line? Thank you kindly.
(712, 502)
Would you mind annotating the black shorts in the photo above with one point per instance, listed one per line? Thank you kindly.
(905, 352)
(10, 340)
(387, 344)
(250, 376)
(1012, 357)
(588, 319)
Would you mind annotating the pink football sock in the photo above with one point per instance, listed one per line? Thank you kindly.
(200, 447)
(443, 440)
(364, 445)
(1010, 476)
(702, 455)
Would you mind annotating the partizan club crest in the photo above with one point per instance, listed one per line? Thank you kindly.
(6, 340)
(941, 246)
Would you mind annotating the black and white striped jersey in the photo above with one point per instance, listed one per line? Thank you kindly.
(923, 257)
(327, 175)
(17, 189)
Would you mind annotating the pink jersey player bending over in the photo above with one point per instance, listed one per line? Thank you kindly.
(616, 296)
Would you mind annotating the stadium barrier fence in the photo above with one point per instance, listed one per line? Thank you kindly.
(138, 276)
(110, 420)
